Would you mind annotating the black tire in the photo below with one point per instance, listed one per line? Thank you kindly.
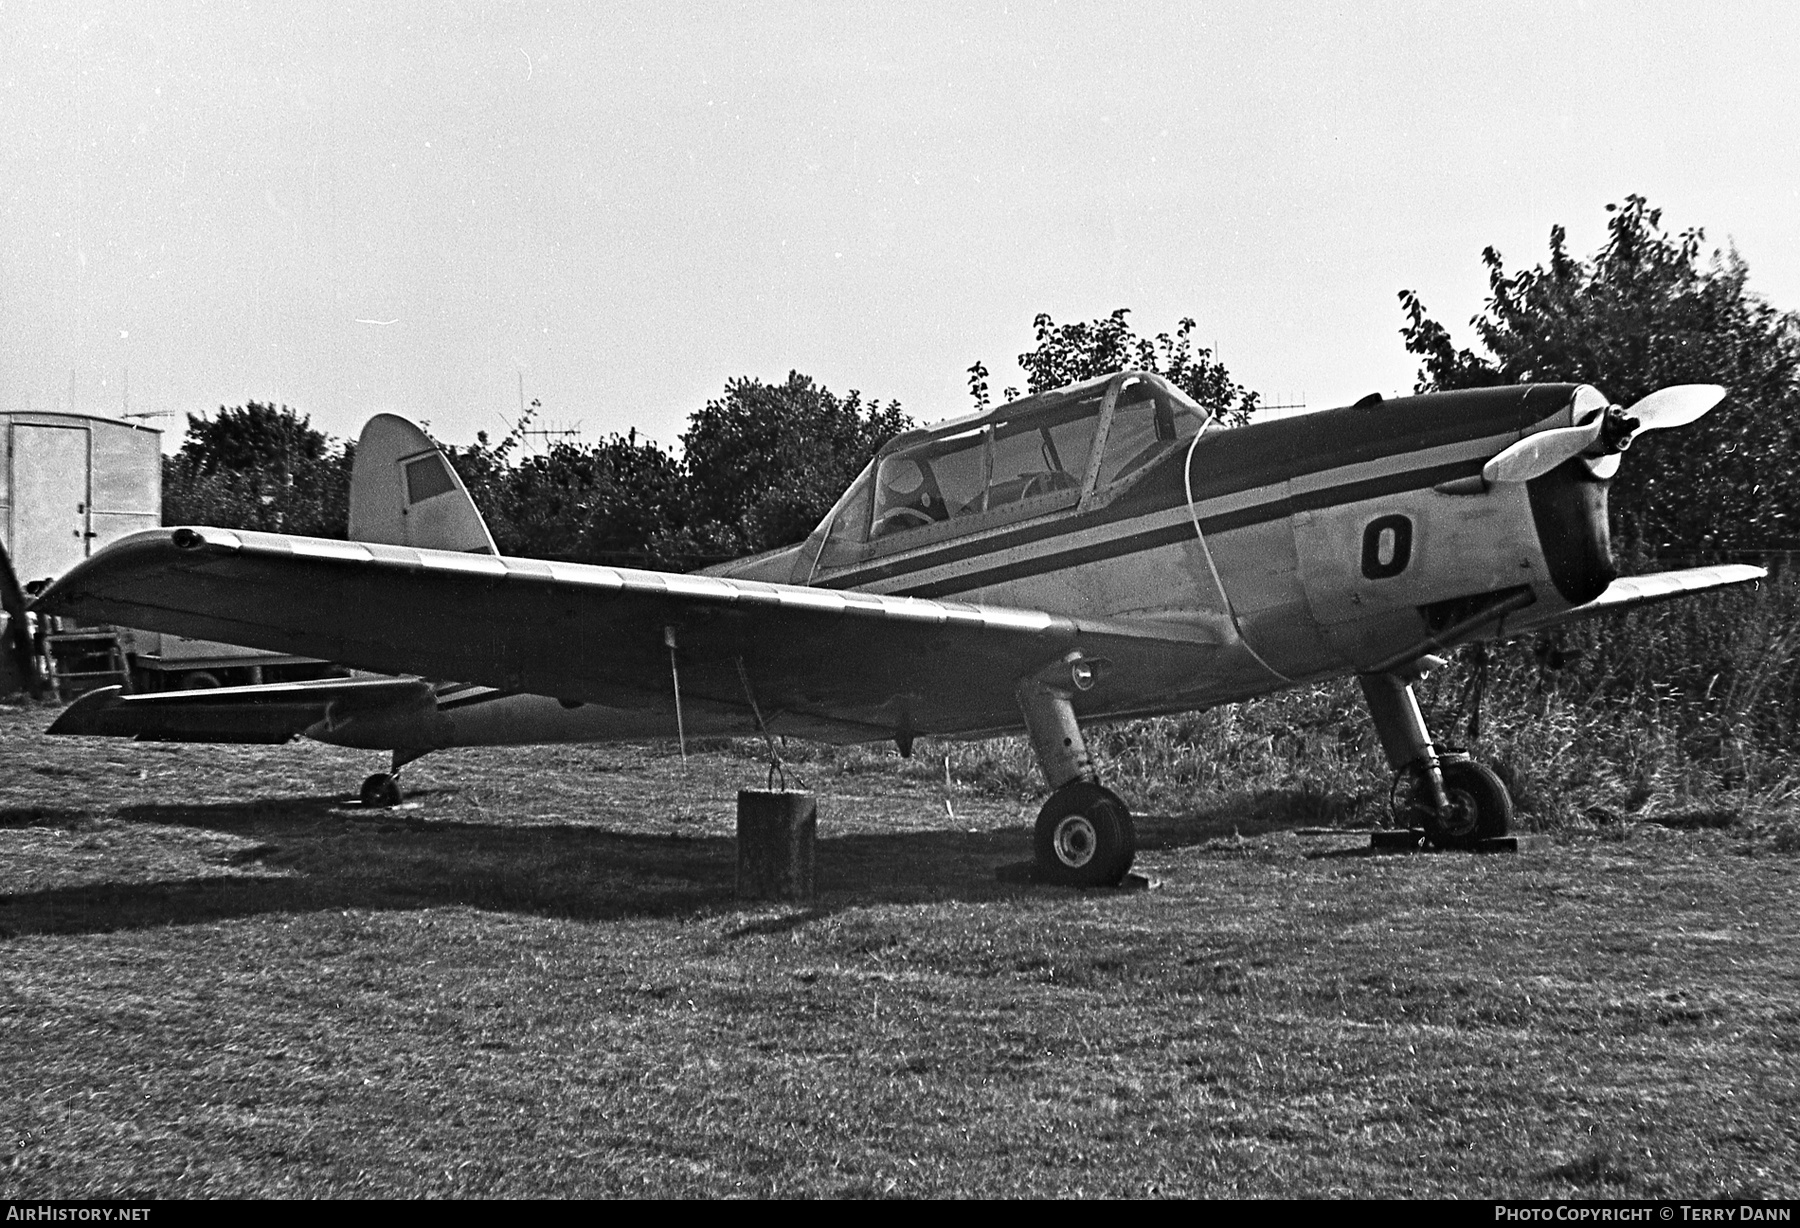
(1084, 837)
(200, 680)
(1480, 807)
(381, 792)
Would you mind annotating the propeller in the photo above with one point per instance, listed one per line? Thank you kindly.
(1603, 436)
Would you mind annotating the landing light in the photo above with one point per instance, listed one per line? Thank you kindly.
(1082, 674)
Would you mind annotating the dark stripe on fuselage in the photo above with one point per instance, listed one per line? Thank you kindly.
(1278, 508)
(470, 701)
(1231, 462)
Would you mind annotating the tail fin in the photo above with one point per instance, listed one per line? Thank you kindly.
(403, 492)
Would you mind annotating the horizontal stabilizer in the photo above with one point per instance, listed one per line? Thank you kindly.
(272, 713)
(1629, 592)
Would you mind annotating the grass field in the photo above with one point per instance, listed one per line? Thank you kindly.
(221, 977)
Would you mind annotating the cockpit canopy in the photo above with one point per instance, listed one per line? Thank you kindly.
(1023, 459)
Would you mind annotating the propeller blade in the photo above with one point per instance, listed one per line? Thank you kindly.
(1676, 405)
(1538, 454)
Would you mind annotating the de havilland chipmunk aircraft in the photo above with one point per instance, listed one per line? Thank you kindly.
(1093, 553)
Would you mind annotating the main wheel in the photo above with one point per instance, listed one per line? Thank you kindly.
(1084, 837)
(1480, 807)
(381, 792)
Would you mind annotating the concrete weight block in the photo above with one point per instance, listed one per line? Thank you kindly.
(776, 832)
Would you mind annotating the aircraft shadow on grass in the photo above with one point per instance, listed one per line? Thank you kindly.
(321, 854)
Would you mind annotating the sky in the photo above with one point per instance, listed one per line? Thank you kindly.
(422, 208)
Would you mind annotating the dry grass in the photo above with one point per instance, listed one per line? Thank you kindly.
(220, 978)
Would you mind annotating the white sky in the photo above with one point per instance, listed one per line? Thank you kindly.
(631, 203)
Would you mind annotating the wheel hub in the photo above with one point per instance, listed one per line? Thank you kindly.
(1461, 818)
(1075, 841)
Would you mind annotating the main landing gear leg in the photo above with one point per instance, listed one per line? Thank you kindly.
(1457, 801)
(1084, 836)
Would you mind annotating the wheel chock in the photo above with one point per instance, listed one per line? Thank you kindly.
(1412, 839)
(1512, 844)
(1026, 872)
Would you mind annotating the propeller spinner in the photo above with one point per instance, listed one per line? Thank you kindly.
(1603, 436)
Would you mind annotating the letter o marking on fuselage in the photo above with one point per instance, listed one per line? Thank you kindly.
(1386, 547)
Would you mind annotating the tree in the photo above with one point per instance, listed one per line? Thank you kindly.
(619, 502)
(760, 467)
(259, 467)
(1646, 312)
(765, 462)
(1070, 353)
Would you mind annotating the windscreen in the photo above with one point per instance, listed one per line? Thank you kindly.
(849, 529)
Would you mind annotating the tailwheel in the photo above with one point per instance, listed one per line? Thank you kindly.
(1480, 807)
(1084, 837)
(381, 791)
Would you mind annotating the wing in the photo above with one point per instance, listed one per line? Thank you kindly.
(822, 663)
(272, 712)
(1629, 592)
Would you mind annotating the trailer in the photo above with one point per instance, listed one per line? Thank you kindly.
(160, 662)
(69, 484)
